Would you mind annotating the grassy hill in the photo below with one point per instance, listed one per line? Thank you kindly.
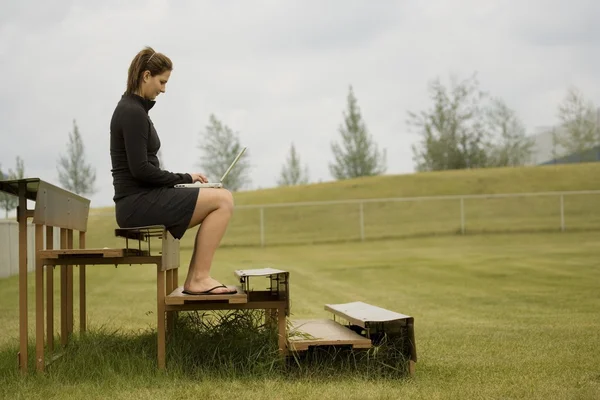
(340, 222)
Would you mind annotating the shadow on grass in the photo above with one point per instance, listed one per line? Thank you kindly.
(208, 345)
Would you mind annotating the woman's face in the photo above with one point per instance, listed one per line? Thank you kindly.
(152, 86)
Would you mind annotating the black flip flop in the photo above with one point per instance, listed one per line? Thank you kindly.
(210, 291)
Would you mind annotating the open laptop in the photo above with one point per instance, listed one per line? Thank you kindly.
(212, 184)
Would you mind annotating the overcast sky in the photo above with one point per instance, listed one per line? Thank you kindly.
(277, 72)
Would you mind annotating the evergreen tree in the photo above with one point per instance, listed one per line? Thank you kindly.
(357, 155)
(219, 146)
(292, 173)
(74, 174)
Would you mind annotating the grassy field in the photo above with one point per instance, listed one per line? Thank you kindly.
(496, 316)
(503, 316)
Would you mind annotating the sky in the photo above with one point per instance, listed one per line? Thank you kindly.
(277, 72)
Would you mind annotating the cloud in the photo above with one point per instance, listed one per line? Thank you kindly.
(277, 72)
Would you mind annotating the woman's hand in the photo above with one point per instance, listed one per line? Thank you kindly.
(198, 178)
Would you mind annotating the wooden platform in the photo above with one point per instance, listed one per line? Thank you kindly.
(177, 297)
(89, 253)
(323, 332)
(359, 313)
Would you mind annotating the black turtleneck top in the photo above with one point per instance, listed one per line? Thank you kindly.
(134, 144)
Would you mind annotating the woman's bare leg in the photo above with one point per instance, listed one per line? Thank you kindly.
(214, 208)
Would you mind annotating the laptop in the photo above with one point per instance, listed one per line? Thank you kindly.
(212, 184)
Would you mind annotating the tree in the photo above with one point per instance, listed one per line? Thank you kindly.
(73, 172)
(508, 146)
(453, 134)
(580, 133)
(8, 202)
(219, 146)
(358, 154)
(292, 173)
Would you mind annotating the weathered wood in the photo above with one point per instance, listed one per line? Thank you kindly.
(82, 289)
(360, 313)
(84, 253)
(178, 297)
(50, 292)
(39, 300)
(323, 332)
(22, 218)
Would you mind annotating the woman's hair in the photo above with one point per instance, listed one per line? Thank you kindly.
(146, 60)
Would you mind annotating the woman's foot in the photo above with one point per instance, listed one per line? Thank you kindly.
(207, 286)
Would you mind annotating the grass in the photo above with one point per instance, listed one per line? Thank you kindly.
(496, 316)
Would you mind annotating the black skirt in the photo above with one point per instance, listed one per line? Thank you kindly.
(166, 206)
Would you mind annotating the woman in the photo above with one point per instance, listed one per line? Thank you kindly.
(144, 193)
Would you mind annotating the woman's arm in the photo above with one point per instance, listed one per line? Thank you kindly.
(136, 129)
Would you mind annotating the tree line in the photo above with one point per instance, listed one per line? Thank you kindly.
(464, 127)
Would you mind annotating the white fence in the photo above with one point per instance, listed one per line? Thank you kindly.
(460, 214)
(9, 247)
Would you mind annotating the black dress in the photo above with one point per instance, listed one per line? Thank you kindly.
(143, 193)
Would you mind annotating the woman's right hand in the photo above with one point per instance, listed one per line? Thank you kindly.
(198, 178)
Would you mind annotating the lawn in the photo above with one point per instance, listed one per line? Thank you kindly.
(496, 316)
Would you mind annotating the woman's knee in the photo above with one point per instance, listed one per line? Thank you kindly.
(226, 199)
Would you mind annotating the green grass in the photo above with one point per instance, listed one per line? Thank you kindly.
(496, 316)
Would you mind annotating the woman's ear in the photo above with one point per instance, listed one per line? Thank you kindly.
(146, 75)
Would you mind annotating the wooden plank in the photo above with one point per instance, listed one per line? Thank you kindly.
(360, 313)
(50, 292)
(23, 332)
(64, 253)
(39, 300)
(70, 285)
(323, 332)
(258, 272)
(177, 297)
(82, 288)
(137, 260)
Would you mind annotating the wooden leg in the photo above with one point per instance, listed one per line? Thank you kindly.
(170, 320)
(50, 292)
(82, 288)
(22, 218)
(64, 327)
(160, 312)
(411, 368)
(39, 299)
(70, 285)
(282, 330)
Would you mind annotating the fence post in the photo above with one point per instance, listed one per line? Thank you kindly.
(562, 212)
(262, 227)
(462, 215)
(361, 219)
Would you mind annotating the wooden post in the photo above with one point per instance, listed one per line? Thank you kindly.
(63, 293)
(82, 288)
(170, 320)
(22, 219)
(282, 330)
(160, 311)
(70, 285)
(39, 299)
(50, 292)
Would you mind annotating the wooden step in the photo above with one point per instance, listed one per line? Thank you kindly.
(361, 314)
(323, 332)
(240, 273)
(89, 253)
(177, 297)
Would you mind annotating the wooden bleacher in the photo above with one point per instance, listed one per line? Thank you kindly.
(267, 288)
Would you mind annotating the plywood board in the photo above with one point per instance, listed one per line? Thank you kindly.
(177, 297)
(323, 332)
(359, 313)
